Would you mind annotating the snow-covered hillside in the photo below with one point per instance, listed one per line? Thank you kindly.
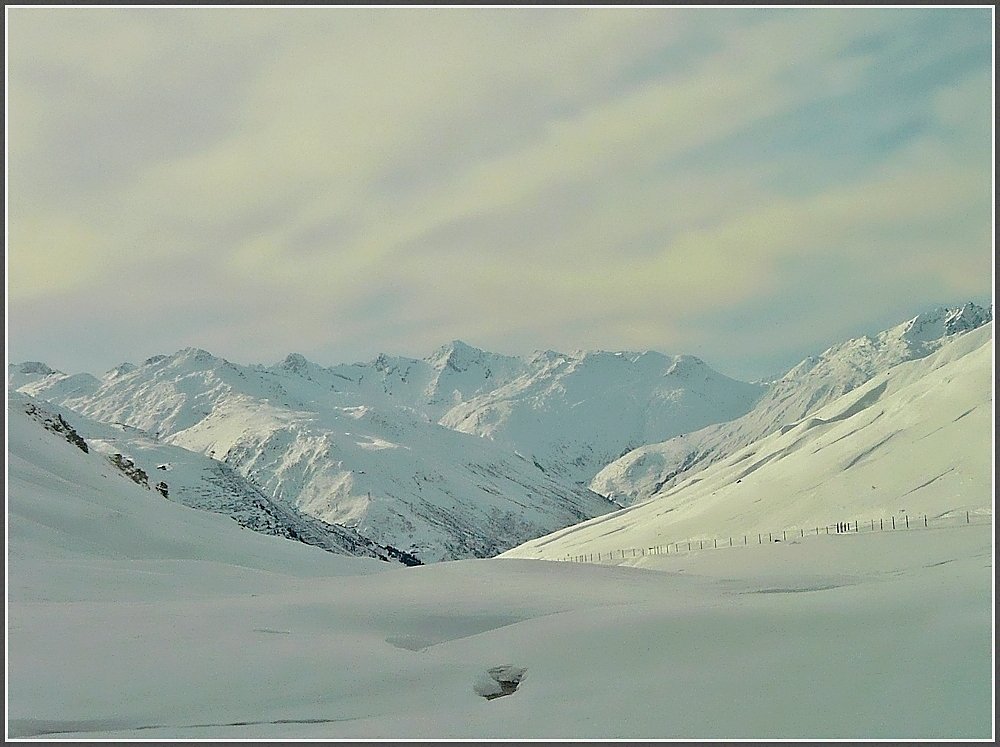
(572, 414)
(913, 440)
(197, 481)
(37, 379)
(131, 617)
(811, 384)
(296, 433)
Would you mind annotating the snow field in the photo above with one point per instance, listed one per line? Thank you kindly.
(821, 638)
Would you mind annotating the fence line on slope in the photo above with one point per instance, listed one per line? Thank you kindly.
(854, 526)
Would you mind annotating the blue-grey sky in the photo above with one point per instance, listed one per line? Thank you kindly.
(748, 185)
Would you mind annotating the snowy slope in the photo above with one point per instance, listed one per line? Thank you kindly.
(297, 434)
(34, 378)
(811, 384)
(64, 503)
(131, 617)
(197, 481)
(574, 413)
(912, 440)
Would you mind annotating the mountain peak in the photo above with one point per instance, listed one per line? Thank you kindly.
(942, 321)
(685, 364)
(35, 367)
(456, 355)
(196, 353)
(964, 318)
(294, 362)
(120, 370)
(191, 355)
(547, 356)
(458, 347)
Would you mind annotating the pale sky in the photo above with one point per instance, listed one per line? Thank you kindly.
(747, 185)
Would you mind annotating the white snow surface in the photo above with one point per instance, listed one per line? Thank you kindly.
(816, 381)
(911, 441)
(131, 617)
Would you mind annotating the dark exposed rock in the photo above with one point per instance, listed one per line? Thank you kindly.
(56, 424)
(128, 467)
(499, 681)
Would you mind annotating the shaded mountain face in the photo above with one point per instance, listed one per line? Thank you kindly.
(811, 384)
(912, 440)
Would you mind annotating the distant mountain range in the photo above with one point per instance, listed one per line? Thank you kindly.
(464, 453)
(912, 441)
(813, 383)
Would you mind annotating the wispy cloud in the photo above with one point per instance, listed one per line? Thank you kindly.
(339, 181)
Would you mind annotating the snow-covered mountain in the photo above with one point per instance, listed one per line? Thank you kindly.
(914, 439)
(452, 374)
(296, 432)
(466, 453)
(37, 379)
(196, 481)
(811, 384)
(573, 413)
